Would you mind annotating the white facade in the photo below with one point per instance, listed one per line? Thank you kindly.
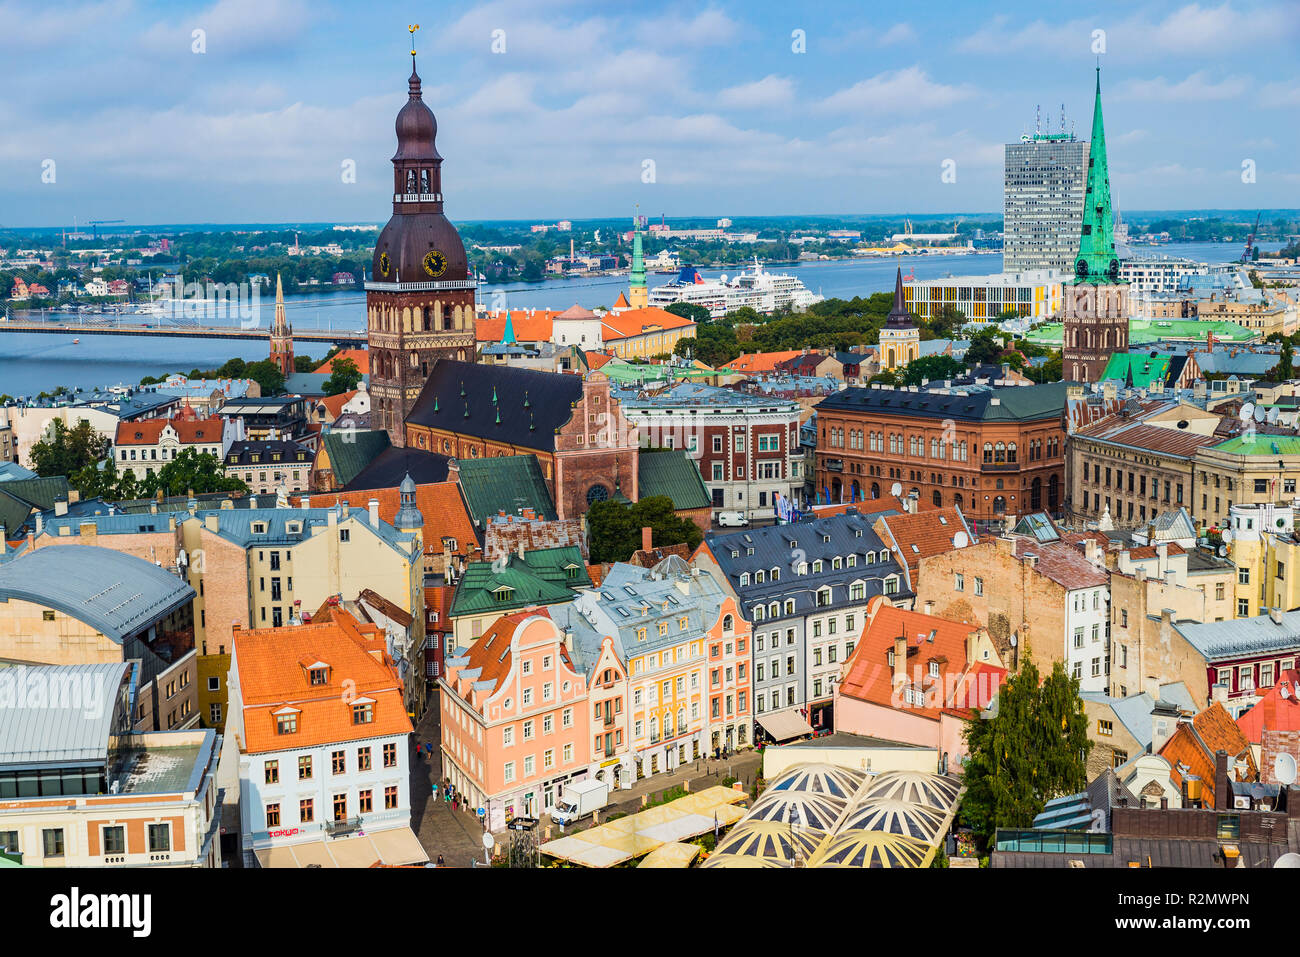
(147, 457)
(583, 333)
(1087, 637)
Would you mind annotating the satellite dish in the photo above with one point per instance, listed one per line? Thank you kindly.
(896, 489)
(1284, 692)
(489, 841)
(960, 540)
(1284, 769)
(1223, 550)
(1260, 414)
(1288, 860)
(1247, 411)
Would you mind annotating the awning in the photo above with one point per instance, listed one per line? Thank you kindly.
(393, 847)
(784, 725)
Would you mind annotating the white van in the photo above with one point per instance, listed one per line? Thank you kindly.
(732, 519)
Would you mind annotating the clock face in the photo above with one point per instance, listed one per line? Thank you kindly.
(435, 263)
(384, 263)
(1081, 268)
(1113, 270)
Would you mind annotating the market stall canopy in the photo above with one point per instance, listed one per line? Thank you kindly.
(784, 725)
(676, 854)
(394, 846)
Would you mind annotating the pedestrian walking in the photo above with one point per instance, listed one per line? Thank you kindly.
(440, 861)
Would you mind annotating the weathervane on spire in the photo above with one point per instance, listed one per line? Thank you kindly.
(411, 28)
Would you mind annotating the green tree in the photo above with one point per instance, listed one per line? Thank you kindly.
(1050, 371)
(885, 377)
(68, 450)
(985, 346)
(304, 364)
(191, 471)
(266, 374)
(716, 344)
(105, 482)
(1033, 749)
(344, 376)
(690, 310)
(615, 528)
(932, 368)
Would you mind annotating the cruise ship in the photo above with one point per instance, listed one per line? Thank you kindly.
(762, 291)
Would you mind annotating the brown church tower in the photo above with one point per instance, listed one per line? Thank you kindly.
(420, 299)
(281, 334)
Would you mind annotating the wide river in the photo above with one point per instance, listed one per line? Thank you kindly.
(31, 363)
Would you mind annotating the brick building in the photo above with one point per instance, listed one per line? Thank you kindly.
(990, 452)
(745, 446)
(584, 444)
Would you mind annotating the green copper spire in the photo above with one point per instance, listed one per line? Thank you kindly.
(1097, 262)
(508, 336)
(638, 262)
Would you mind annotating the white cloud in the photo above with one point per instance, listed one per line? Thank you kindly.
(24, 29)
(898, 33)
(1280, 94)
(1197, 88)
(232, 27)
(771, 91)
(899, 91)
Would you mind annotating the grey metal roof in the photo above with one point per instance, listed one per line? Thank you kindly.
(784, 546)
(116, 594)
(58, 713)
(1243, 636)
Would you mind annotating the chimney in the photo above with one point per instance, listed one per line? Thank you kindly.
(1162, 551)
(1219, 692)
(1275, 615)
(900, 659)
(40, 524)
(305, 502)
(1222, 789)
(374, 512)
(61, 507)
(646, 538)
(89, 530)
(521, 548)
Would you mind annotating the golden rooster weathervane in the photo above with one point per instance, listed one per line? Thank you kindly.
(411, 28)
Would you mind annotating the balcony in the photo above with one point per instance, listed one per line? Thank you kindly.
(343, 828)
(999, 466)
(833, 465)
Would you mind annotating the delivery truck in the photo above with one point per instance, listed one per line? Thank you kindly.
(579, 799)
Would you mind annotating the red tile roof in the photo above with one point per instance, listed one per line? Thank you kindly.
(635, 322)
(1273, 711)
(444, 511)
(1146, 552)
(597, 359)
(528, 326)
(1063, 563)
(360, 356)
(490, 653)
(869, 676)
(437, 599)
(1155, 438)
(189, 431)
(924, 534)
(1194, 745)
(760, 361)
(358, 668)
(333, 404)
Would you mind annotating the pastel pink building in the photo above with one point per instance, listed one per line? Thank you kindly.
(516, 720)
(917, 678)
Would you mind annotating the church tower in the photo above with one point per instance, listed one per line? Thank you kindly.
(638, 294)
(420, 298)
(900, 339)
(281, 334)
(1096, 300)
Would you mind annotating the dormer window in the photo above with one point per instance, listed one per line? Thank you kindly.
(259, 528)
(817, 566)
(503, 594)
(293, 528)
(363, 711)
(744, 579)
(319, 676)
(836, 563)
(286, 721)
(852, 561)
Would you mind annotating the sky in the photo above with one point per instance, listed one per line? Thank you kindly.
(255, 110)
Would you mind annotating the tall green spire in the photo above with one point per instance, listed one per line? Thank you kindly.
(638, 262)
(1097, 262)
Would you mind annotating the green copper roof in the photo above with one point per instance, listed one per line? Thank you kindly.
(508, 336)
(544, 576)
(1261, 445)
(1096, 262)
(351, 451)
(1139, 371)
(673, 474)
(638, 263)
(504, 483)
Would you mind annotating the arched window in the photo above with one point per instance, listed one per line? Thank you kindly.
(728, 623)
(1011, 452)
(988, 451)
(999, 505)
(938, 497)
(1053, 493)
(424, 181)
(1000, 452)
(875, 490)
(1036, 494)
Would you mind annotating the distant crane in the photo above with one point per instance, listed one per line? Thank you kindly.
(96, 223)
(1250, 241)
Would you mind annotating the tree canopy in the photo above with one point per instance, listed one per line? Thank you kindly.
(615, 528)
(690, 310)
(931, 368)
(68, 450)
(191, 471)
(344, 376)
(1034, 749)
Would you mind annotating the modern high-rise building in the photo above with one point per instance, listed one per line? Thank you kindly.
(1043, 183)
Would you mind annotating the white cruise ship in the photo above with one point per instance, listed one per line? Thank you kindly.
(762, 291)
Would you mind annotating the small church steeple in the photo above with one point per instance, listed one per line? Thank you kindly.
(281, 334)
(638, 294)
(900, 339)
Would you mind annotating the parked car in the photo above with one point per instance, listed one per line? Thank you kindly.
(732, 519)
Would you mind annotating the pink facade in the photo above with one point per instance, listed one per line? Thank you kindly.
(515, 718)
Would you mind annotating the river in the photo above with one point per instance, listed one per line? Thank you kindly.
(31, 363)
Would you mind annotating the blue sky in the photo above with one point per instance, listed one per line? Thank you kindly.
(560, 124)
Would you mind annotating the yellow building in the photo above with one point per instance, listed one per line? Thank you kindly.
(900, 339)
(1263, 546)
(1035, 295)
(642, 333)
